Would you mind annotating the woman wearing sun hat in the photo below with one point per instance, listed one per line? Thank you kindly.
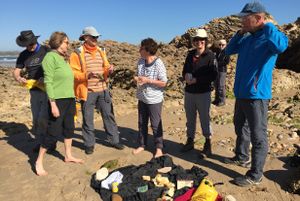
(199, 71)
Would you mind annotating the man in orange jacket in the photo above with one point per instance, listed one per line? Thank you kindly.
(91, 70)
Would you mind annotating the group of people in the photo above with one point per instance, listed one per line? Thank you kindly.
(85, 75)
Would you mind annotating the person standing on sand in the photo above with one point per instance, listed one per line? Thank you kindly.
(31, 59)
(220, 83)
(151, 78)
(257, 44)
(199, 71)
(59, 81)
(91, 71)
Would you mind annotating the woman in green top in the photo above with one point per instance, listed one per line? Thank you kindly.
(59, 81)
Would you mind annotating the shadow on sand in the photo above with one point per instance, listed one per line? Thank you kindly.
(283, 177)
(18, 135)
(128, 137)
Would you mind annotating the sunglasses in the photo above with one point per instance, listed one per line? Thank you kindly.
(196, 39)
(95, 37)
(31, 44)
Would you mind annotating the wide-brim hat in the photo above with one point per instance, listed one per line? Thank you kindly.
(251, 8)
(89, 31)
(26, 38)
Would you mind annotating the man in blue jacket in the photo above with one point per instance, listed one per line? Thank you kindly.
(257, 44)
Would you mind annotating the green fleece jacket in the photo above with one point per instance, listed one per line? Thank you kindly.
(58, 77)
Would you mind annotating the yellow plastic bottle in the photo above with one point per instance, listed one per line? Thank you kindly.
(205, 192)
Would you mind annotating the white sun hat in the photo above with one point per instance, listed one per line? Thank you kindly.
(201, 33)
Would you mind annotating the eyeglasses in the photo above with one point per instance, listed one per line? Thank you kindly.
(95, 37)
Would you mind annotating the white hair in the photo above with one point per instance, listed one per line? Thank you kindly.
(222, 41)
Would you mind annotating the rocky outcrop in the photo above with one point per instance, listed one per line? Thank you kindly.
(219, 28)
(290, 59)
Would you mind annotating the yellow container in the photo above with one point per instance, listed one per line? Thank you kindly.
(78, 107)
(205, 192)
(34, 83)
(114, 187)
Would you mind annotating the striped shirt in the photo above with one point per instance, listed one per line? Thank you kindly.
(95, 65)
(150, 93)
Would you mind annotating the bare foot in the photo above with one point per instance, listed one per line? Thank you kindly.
(73, 160)
(138, 150)
(39, 169)
(158, 153)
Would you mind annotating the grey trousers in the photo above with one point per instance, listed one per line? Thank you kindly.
(103, 103)
(250, 121)
(152, 111)
(200, 103)
(39, 110)
(220, 89)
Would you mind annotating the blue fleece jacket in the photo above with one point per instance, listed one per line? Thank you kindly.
(257, 54)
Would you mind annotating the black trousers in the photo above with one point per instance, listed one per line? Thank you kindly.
(63, 125)
(220, 87)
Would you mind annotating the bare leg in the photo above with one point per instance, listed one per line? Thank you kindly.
(138, 150)
(158, 153)
(68, 153)
(39, 168)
